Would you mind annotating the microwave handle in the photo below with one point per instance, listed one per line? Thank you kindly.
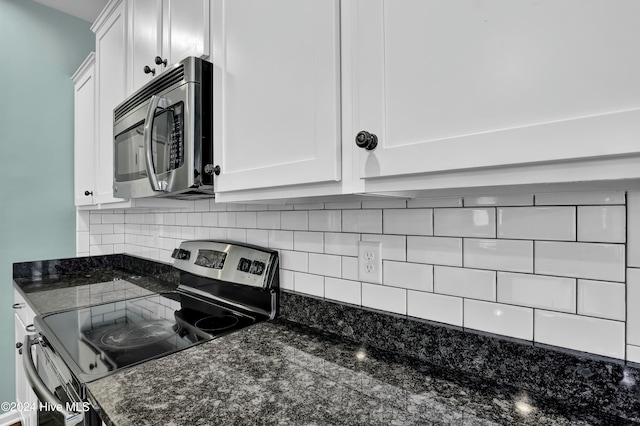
(40, 389)
(155, 103)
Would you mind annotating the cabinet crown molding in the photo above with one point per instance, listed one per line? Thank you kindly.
(104, 15)
(89, 61)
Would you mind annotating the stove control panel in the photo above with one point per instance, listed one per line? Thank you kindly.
(227, 261)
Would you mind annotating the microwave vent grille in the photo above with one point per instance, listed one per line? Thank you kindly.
(159, 84)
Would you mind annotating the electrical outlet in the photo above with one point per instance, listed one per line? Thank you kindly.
(370, 261)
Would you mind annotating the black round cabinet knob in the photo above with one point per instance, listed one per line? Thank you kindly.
(366, 140)
(148, 70)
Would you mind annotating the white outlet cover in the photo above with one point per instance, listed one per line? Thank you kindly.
(370, 261)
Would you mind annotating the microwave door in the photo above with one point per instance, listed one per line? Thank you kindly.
(155, 103)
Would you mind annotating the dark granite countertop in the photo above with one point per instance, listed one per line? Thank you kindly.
(55, 285)
(282, 373)
(285, 373)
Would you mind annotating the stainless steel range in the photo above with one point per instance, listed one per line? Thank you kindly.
(224, 287)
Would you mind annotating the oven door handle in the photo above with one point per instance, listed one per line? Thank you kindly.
(71, 418)
(147, 135)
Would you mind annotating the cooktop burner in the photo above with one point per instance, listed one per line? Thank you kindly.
(136, 335)
(216, 323)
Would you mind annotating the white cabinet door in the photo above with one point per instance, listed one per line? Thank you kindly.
(24, 394)
(277, 86)
(466, 84)
(185, 29)
(169, 29)
(145, 36)
(84, 131)
(111, 75)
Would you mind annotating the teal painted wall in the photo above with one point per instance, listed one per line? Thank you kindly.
(40, 49)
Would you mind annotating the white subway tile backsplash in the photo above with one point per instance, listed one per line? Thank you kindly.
(384, 204)
(350, 268)
(280, 207)
(580, 198)
(435, 250)
(499, 200)
(435, 307)
(408, 221)
(503, 255)
(604, 224)
(218, 233)
(113, 239)
(497, 318)
(294, 260)
(598, 336)
(201, 205)
(325, 220)
(434, 202)
(413, 276)
(246, 220)
(602, 299)
(467, 256)
(188, 233)
(537, 223)
(463, 282)
(633, 229)
(633, 306)
(341, 243)
(236, 207)
(390, 299)
(315, 206)
(348, 205)
(363, 221)
(633, 353)
(170, 219)
(268, 220)
(101, 229)
(182, 219)
(201, 233)
(308, 241)
(464, 222)
(259, 237)
(227, 219)
(309, 284)
(194, 219)
(281, 239)
(286, 279)
(581, 260)
(343, 290)
(394, 247)
(537, 291)
(294, 220)
(235, 234)
(325, 264)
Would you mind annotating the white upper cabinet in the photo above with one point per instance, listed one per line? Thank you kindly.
(84, 131)
(170, 30)
(111, 72)
(457, 85)
(145, 41)
(276, 93)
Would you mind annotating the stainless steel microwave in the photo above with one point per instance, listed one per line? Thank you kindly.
(163, 140)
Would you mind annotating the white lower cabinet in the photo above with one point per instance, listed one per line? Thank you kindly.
(24, 395)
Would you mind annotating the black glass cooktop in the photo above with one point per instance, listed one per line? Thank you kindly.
(103, 338)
